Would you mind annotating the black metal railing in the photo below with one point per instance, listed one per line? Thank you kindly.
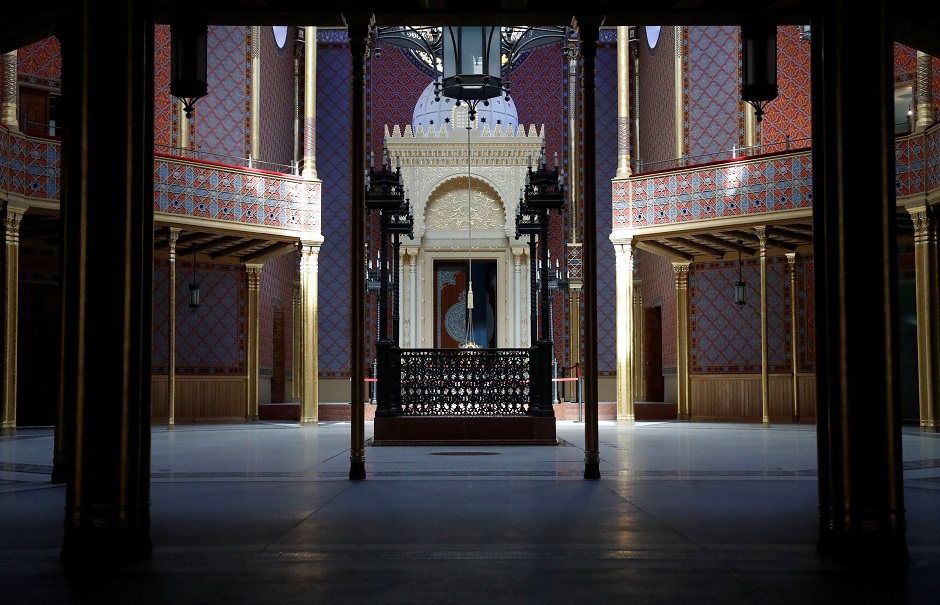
(465, 382)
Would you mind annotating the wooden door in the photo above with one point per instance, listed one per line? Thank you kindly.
(653, 353)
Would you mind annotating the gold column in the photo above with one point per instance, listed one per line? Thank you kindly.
(297, 342)
(171, 336)
(309, 271)
(358, 26)
(255, 111)
(681, 269)
(623, 101)
(764, 377)
(12, 217)
(794, 345)
(624, 301)
(679, 88)
(253, 351)
(310, 103)
(571, 53)
(9, 92)
(925, 110)
(639, 382)
(927, 270)
(574, 306)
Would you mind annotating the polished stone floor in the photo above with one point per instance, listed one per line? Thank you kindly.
(265, 513)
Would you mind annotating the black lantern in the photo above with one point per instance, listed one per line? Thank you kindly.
(188, 54)
(740, 288)
(194, 287)
(471, 59)
(759, 52)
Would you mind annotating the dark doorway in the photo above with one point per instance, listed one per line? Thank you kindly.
(37, 371)
(653, 353)
(450, 303)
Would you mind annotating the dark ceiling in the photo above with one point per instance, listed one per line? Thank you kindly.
(917, 25)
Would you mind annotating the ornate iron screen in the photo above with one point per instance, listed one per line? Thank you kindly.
(465, 382)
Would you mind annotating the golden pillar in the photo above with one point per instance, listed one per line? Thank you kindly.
(253, 350)
(639, 382)
(925, 109)
(255, 110)
(794, 345)
(310, 103)
(297, 343)
(764, 364)
(309, 272)
(624, 279)
(171, 336)
(12, 217)
(8, 95)
(927, 270)
(683, 352)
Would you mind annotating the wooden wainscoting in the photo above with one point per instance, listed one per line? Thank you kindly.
(737, 397)
(202, 399)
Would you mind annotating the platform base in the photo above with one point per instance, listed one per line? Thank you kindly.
(465, 430)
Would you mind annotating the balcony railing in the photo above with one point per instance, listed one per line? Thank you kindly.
(721, 155)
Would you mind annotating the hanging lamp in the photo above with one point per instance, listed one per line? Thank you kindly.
(740, 288)
(194, 287)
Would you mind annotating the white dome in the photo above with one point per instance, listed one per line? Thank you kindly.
(498, 111)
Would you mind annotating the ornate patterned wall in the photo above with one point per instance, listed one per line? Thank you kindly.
(277, 292)
(222, 122)
(212, 338)
(659, 290)
(333, 157)
(606, 167)
(40, 64)
(165, 122)
(790, 114)
(714, 106)
(276, 117)
(657, 98)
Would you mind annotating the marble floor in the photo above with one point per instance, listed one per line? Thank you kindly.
(684, 512)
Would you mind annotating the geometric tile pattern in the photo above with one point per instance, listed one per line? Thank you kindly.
(806, 313)
(222, 121)
(538, 80)
(713, 89)
(231, 194)
(935, 84)
(394, 84)
(40, 63)
(659, 289)
(605, 141)
(726, 337)
(905, 63)
(734, 188)
(276, 113)
(788, 120)
(909, 165)
(165, 125)
(932, 169)
(30, 166)
(212, 338)
(277, 292)
(333, 158)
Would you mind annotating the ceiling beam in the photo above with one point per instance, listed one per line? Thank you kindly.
(658, 249)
